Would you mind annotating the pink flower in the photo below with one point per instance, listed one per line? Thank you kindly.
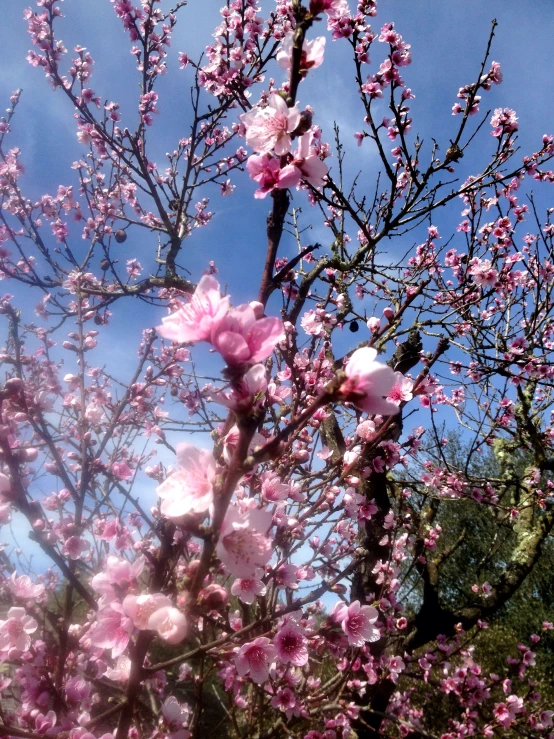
(368, 383)
(402, 390)
(176, 714)
(247, 393)
(117, 571)
(291, 644)
(16, 630)
(241, 338)
(22, 587)
(189, 489)
(483, 273)
(119, 673)
(246, 589)
(255, 659)
(333, 8)
(270, 127)
(170, 624)
(357, 622)
(139, 608)
(312, 54)
(285, 701)
(243, 545)
(112, 630)
(193, 321)
(313, 170)
(266, 171)
(74, 547)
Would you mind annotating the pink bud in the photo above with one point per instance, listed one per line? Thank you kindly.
(213, 597)
(374, 324)
(14, 385)
(389, 314)
(30, 454)
(258, 308)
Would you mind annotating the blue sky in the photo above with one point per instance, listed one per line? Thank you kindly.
(448, 38)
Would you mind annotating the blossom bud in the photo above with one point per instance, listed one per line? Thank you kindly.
(374, 324)
(14, 385)
(388, 313)
(120, 236)
(213, 597)
(258, 309)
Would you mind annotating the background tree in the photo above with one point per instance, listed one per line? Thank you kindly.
(323, 560)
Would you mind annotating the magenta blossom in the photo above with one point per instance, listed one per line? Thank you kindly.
(357, 622)
(291, 644)
(189, 488)
(193, 321)
(270, 127)
(242, 338)
(267, 172)
(255, 659)
(312, 169)
(369, 382)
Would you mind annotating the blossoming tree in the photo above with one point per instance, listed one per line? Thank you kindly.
(282, 574)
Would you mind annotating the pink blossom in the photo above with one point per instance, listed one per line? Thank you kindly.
(307, 161)
(483, 272)
(369, 382)
(333, 8)
(243, 544)
(119, 673)
(16, 630)
(273, 489)
(170, 623)
(357, 622)
(366, 430)
(267, 172)
(23, 587)
(270, 127)
(291, 644)
(246, 589)
(312, 53)
(255, 659)
(401, 392)
(112, 629)
(194, 321)
(117, 571)
(285, 701)
(74, 547)
(241, 338)
(189, 489)
(139, 608)
(246, 394)
(177, 715)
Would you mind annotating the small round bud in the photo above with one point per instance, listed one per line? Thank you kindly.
(353, 325)
(120, 236)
